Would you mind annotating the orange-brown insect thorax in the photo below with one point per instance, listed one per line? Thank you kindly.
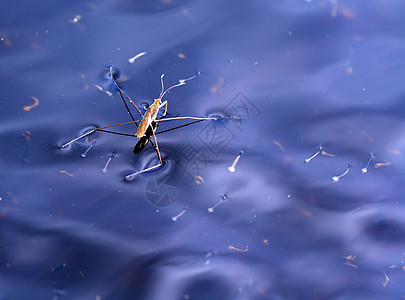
(148, 117)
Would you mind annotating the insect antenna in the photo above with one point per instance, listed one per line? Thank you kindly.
(181, 82)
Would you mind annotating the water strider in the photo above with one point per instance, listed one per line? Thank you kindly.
(147, 126)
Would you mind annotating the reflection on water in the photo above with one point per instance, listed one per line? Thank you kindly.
(258, 205)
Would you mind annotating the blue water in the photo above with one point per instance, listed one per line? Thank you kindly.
(291, 75)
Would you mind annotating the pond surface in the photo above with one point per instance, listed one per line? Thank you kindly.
(297, 81)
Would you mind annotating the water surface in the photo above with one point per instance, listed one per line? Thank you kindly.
(293, 75)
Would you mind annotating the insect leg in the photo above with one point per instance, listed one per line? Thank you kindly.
(157, 147)
(188, 118)
(78, 138)
(151, 168)
(98, 129)
(122, 97)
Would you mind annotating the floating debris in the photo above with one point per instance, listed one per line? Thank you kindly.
(198, 179)
(394, 151)
(75, 19)
(349, 259)
(86, 85)
(36, 103)
(387, 279)
(279, 145)
(215, 88)
(208, 256)
(181, 56)
(84, 154)
(351, 265)
(337, 178)
(105, 91)
(237, 249)
(344, 11)
(27, 136)
(365, 169)
(327, 154)
(99, 87)
(66, 172)
(132, 59)
(305, 212)
(108, 162)
(307, 160)
(6, 41)
(223, 198)
(174, 219)
(378, 165)
(58, 268)
(231, 169)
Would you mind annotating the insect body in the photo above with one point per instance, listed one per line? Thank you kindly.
(149, 117)
(143, 140)
(148, 124)
(152, 112)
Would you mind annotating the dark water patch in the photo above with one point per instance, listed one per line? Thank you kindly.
(382, 229)
(151, 7)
